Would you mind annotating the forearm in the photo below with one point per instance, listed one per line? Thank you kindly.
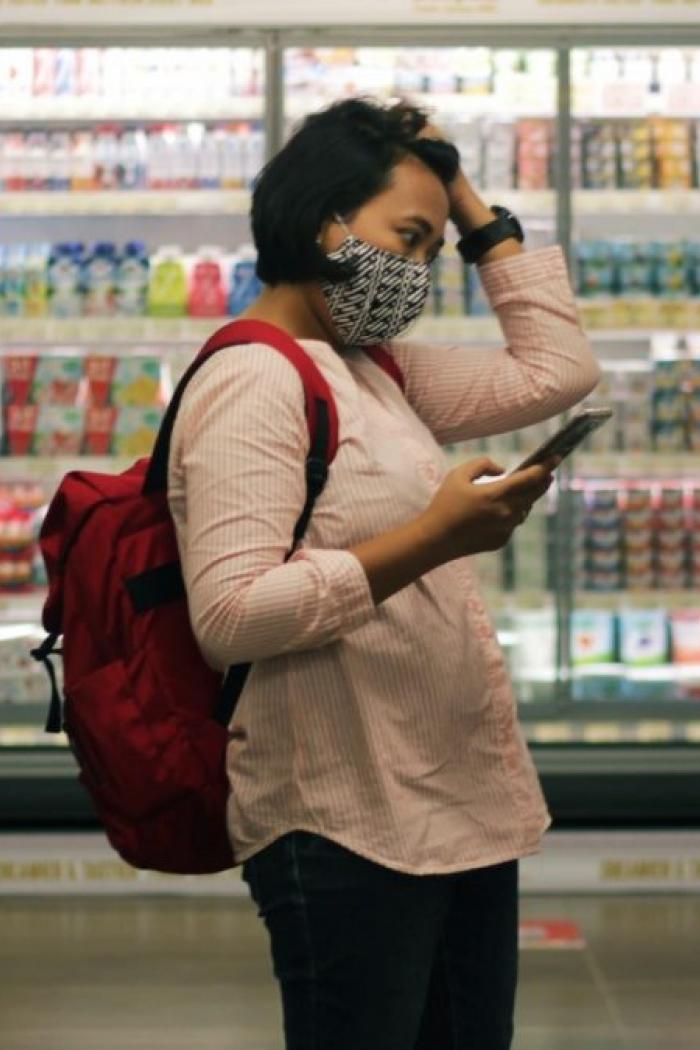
(469, 212)
(398, 558)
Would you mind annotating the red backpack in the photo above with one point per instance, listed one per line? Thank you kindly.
(145, 716)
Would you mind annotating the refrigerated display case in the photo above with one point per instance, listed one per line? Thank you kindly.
(125, 177)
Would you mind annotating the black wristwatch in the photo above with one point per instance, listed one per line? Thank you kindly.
(478, 242)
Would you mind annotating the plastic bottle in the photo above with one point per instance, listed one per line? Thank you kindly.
(106, 159)
(36, 298)
(131, 160)
(207, 296)
(167, 287)
(65, 71)
(64, 279)
(132, 280)
(99, 280)
(245, 283)
(44, 71)
(14, 280)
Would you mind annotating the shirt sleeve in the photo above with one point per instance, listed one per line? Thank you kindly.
(243, 441)
(546, 366)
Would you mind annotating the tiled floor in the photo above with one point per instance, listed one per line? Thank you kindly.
(190, 974)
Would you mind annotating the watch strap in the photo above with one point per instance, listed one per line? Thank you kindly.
(475, 244)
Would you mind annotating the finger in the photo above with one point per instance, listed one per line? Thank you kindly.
(478, 468)
(524, 480)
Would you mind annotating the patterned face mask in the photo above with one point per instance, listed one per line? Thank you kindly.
(384, 295)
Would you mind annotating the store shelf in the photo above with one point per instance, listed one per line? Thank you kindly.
(126, 202)
(52, 468)
(131, 107)
(659, 673)
(634, 465)
(642, 599)
(21, 608)
(600, 731)
(637, 202)
(613, 317)
(58, 331)
(192, 331)
(466, 106)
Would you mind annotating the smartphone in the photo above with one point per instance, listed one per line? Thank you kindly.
(565, 440)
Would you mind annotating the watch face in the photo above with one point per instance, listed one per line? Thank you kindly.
(504, 213)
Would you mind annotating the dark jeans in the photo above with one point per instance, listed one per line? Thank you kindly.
(372, 959)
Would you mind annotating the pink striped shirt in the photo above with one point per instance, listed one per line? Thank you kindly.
(390, 729)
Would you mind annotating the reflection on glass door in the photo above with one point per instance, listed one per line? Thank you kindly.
(636, 143)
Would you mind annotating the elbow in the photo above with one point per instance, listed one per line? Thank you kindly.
(580, 381)
(218, 635)
(588, 378)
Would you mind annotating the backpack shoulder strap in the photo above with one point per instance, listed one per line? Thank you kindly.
(319, 404)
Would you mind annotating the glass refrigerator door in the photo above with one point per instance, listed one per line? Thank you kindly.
(117, 166)
(635, 496)
(499, 107)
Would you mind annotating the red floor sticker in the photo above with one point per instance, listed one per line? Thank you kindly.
(548, 933)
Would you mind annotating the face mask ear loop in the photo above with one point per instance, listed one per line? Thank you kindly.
(341, 222)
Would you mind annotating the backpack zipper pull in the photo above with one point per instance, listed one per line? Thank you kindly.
(54, 721)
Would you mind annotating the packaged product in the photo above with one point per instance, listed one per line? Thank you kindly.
(135, 431)
(604, 517)
(14, 280)
(498, 141)
(634, 269)
(99, 280)
(99, 374)
(131, 291)
(673, 153)
(100, 422)
(636, 155)
(207, 293)
(533, 154)
(599, 151)
(57, 380)
(669, 374)
(136, 381)
(685, 636)
(605, 559)
(245, 285)
(592, 636)
(670, 521)
(18, 371)
(64, 280)
(167, 289)
(59, 430)
(36, 293)
(638, 499)
(603, 499)
(638, 542)
(595, 268)
(671, 559)
(671, 497)
(669, 437)
(535, 649)
(643, 637)
(669, 406)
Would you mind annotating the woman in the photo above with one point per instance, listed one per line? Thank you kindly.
(382, 793)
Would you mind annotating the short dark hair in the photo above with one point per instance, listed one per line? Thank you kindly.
(335, 161)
